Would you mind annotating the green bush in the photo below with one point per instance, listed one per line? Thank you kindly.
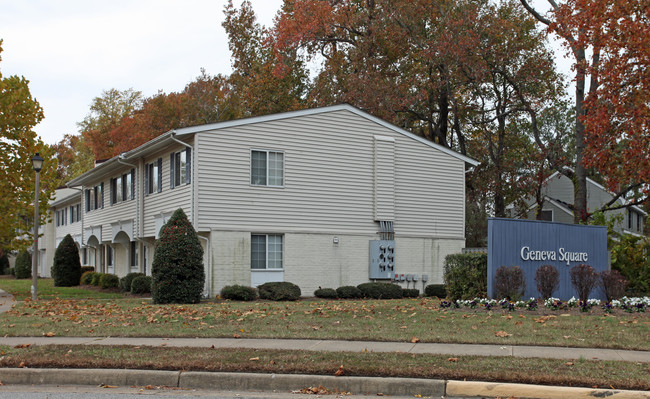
(279, 291)
(630, 257)
(86, 278)
(23, 266)
(239, 293)
(4, 264)
(380, 290)
(125, 282)
(12, 271)
(466, 276)
(348, 292)
(435, 290)
(95, 279)
(410, 293)
(141, 285)
(177, 269)
(109, 281)
(87, 269)
(66, 269)
(326, 293)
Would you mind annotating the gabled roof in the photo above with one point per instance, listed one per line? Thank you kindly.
(169, 137)
(600, 186)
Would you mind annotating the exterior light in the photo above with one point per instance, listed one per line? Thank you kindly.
(37, 162)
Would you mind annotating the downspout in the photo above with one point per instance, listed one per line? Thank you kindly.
(192, 208)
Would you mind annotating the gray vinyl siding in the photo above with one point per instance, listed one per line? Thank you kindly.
(168, 200)
(560, 187)
(328, 179)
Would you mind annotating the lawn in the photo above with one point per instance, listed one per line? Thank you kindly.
(21, 290)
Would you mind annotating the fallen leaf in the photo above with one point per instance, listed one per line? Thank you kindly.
(49, 334)
(107, 386)
(415, 340)
(339, 372)
(452, 359)
(236, 336)
(22, 346)
(569, 363)
(22, 365)
(502, 334)
(252, 359)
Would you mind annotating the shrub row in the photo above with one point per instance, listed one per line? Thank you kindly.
(138, 283)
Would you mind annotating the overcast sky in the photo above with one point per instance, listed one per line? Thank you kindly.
(71, 50)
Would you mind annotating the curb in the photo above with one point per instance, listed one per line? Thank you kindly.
(291, 382)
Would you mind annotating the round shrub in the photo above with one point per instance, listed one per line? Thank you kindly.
(177, 268)
(23, 266)
(141, 285)
(66, 269)
(95, 279)
(410, 293)
(125, 282)
(239, 293)
(87, 269)
(380, 290)
(86, 278)
(349, 292)
(547, 278)
(436, 290)
(279, 291)
(109, 281)
(326, 293)
(509, 282)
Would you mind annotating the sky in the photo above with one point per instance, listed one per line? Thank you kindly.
(72, 50)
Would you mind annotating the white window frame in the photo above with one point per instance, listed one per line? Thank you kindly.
(267, 168)
(153, 174)
(180, 168)
(266, 252)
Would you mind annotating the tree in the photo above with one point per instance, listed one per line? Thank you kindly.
(75, 157)
(66, 270)
(177, 267)
(106, 112)
(267, 79)
(19, 113)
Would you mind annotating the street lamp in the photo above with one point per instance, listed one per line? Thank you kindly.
(37, 163)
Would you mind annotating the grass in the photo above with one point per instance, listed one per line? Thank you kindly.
(401, 320)
(587, 373)
(21, 290)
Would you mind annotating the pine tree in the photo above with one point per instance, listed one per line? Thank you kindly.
(177, 268)
(66, 269)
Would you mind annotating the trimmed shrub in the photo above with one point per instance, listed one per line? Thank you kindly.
(87, 269)
(410, 293)
(177, 268)
(380, 290)
(630, 257)
(583, 278)
(279, 291)
(125, 282)
(141, 285)
(348, 292)
(466, 275)
(12, 271)
(86, 278)
(66, 269)
(326, 293)
(109, 281)
(95, 279)
(239, 293)
(4, 264)
(548, 279)
(23, 266)
(613, 284)
(435, 290)
(509, 282)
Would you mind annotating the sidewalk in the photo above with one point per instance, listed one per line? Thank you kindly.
(386, 386)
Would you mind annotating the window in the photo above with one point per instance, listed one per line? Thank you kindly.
(84, 256)
(61, 217)
(134, 253)
(98, 199)
(547, 215)
(109, 255)
(639, 222)
(180, 168)
(153, 177)
(267, 168)
(123, 187)
(266, 251)
(630, 217)
(75, 213)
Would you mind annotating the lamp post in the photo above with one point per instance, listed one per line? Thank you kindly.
(37, 163)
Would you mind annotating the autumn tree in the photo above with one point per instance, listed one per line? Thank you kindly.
(106, 112)
(266, 79)
(19, 113)
(74, 155)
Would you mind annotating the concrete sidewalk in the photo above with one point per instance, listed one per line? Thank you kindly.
(347, 346)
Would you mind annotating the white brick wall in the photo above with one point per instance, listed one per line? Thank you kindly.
(313, 260)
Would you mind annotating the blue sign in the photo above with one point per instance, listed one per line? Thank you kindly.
(531, 244)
